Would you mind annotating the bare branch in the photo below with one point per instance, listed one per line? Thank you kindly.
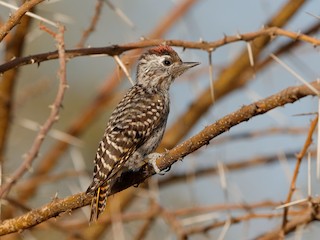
(300, 156)
(119, 49)
(53, 117)
(16, 16)
(92, 25)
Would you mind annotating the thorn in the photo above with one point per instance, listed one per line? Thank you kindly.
(123, 68)
(250, 54)
(239, 36)
(290, 70)
(211, 76)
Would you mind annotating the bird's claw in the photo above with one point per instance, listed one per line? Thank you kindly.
(167, 169)
(152, 160)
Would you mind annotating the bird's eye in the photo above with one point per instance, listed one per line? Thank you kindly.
(167, 62)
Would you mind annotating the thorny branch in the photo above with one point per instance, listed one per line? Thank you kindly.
(309, 216)
(300, 156)
(13, 48)
(92, 25)
(245, 113)
(119, 49)
(53, 117)
(16, 16)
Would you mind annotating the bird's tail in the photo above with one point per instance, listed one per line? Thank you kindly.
(98, 203)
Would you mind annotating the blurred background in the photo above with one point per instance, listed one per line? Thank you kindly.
(201, 195)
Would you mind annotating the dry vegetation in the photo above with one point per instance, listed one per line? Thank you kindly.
(20, 187)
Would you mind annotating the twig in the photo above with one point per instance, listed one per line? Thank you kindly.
(53, 117)
(119, 49)
(54, 133)
(154, 210)
(236, 165)
(172, 222)
(149, 220)
(300, 220)
(300, 156)
(232, 220)
(16, 16)
(144, 229)
(13, 48)
(318, 139)
(30, 14)
(61, 176)
(261, 133)
(225, 229)
(52, 209)
(92, 25)
(223, 207)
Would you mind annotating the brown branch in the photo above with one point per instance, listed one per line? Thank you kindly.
(53, 117)
(119, 49)
(154, 210)
(303, 219)
(261, 133)
(15, 18)
(61, 176)
(172, 221)
(233, 220)
(94, 231)
(92, 25)
(226, 206)
(299, 156)
(50, 210)
(232, 166)
(44, 213)
(13, 48)
(150, 217)
(144, 229)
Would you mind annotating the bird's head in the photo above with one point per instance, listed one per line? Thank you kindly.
(159, 66)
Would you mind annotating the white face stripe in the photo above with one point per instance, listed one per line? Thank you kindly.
(156, 59)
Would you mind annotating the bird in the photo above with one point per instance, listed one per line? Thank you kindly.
(137, 124)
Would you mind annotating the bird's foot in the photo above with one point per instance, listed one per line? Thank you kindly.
(152, 160)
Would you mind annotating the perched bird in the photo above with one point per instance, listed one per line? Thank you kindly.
(137, 124)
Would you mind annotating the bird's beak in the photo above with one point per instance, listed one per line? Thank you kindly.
(184, 66)
(188, 65)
